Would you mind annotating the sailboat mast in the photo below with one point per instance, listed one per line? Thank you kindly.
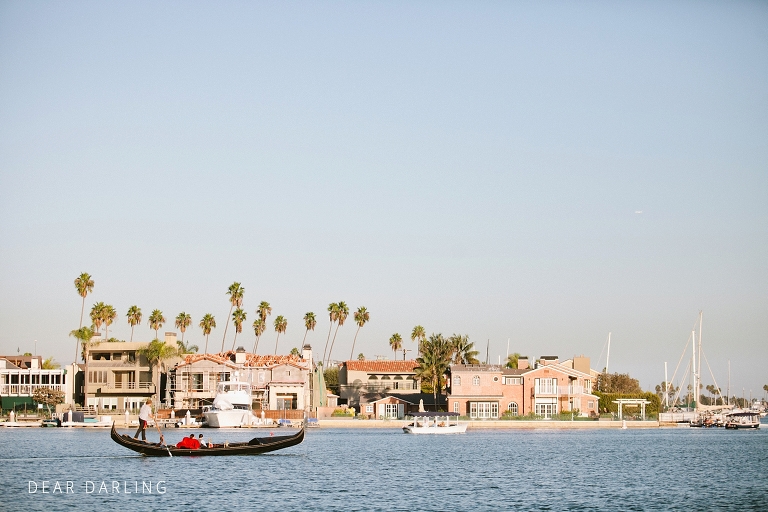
(695, 375)
(608, 355)
(698, 363)
(666, 387)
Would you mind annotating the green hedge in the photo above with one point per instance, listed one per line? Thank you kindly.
(606, 402)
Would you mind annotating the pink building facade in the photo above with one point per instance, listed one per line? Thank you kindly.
(550, 388)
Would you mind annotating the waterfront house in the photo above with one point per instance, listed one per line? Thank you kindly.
(119, 377)
(20, 376)
(278, 382)
(548, 388)
(357, 378)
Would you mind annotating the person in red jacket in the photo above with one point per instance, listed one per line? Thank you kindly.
(189, 443)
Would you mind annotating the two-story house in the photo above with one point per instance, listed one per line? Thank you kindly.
(20, 376)
(549, 388)
(358, 378)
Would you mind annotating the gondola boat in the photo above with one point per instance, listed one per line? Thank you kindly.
(255, 446)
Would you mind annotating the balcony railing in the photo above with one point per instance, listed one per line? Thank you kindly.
(26, 389)
(560, 390)
(140, 387)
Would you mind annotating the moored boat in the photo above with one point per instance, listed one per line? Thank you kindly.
(232, 405)
(255, 446)
(435, 423)
(739, 420)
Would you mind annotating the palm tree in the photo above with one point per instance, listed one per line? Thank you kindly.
(419, 334)
(84, 286)
(183, 320)
(512, 360)
(83, 336)
(295, 351)
(157, 352)
(361, 357)
(361, 318)
(134, 318)
(238, 317)
(396, 343)
(333, 314)
(341, 316)
(434, 361)
(108, 315)
(186, 348)
(207, 324)
(281, 324)
(264, 310)
(156, 321)
(463, 350)
(97, 316)
(259, 326)
(309, 322)
(235, 292)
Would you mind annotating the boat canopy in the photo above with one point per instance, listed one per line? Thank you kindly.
(431, 414)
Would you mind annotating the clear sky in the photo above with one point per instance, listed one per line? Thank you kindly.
(473, 167)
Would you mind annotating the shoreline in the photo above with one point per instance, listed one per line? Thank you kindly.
(501, 424)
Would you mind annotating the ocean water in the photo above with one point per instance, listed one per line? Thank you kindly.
(384, 469)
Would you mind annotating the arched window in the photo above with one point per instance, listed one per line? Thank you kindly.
(512, 408)
(476, 380)
(457, 381)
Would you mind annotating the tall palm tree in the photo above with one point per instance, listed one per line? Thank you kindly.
(259, 326)
(396, 343)
(97, 316)
(238, 317)
(183, 320)
(512, 360)
(156, 321)
(84, 286)
(361, 318)
(134, 318)
(281, 324)
(108, 315)
(309, 322)
(83, 337)
(419, 334)
(341, 316)
(235, 292)
(207, 324)
(434, 361)
(333, 314)
(463, 350)
(156, 353)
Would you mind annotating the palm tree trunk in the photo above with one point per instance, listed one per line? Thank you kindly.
(322, 361)
(234, 341)
(132, 332)
(352, 354)
(305, 337)
(225, 327)
(256, 345)
(82, 310)
(206, 343)
(278, 337)
(333, 342)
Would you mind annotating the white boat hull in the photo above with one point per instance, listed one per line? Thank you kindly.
(228, 419)
(432, 429)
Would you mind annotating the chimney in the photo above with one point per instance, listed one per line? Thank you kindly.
(522, 363)
(581, 364)
(306, 354)
(170, 339)
(240, 355)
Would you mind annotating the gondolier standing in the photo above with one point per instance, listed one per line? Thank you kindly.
(144, 414)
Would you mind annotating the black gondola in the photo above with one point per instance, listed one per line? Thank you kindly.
(253, 447)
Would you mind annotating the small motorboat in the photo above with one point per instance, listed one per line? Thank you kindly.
(435, 423)
(739, 420)
(255, 446)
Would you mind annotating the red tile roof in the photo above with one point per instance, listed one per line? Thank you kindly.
(382, 366)
(251, 360)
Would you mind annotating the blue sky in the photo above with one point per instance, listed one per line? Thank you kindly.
(470, 167)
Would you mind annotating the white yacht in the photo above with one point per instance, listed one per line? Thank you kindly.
(435, 423)
(232, 405)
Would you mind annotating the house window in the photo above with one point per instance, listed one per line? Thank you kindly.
(591, 404)
(476, 380)
(546, 386)
(97, 377)
(495, 378)
(456, 407)
(390, 411)
(457, 381)
(513, 381)
(546, 408)
(483, 410)
(512, 408)
(369, 408)
(588, 385)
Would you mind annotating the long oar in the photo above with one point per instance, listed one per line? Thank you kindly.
(157, 426)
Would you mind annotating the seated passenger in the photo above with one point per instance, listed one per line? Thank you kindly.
(189, 442)
(202, 442)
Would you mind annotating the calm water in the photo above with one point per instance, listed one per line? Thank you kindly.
(335, 469)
